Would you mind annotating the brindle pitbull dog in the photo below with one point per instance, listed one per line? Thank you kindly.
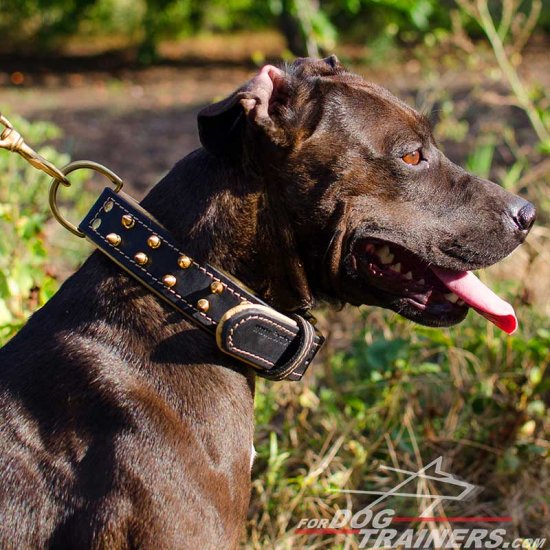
(122, 424)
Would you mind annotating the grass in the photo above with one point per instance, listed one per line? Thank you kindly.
(401, 395)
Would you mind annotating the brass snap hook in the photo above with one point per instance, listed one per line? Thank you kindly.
(56, 182)
(12, 140)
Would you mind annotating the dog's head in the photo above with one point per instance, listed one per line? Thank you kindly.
(378, 214)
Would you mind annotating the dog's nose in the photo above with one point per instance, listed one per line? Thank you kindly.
(523, 214)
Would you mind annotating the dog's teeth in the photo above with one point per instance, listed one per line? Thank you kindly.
(451, 297)
(408, 275)
(385, 255)
(422, 282)
(396, 268)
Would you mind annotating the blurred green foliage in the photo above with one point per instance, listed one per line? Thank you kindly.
(310, 26)
(27, 275)
(40, 20)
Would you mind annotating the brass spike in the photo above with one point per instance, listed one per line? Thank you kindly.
(113, 238)
(184, 261)
(153, 241)
(203, 305)
(169, 280)
(128, 221)
(141, 258)
(216, 287)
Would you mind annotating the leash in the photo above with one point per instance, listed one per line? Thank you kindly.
(276, 345)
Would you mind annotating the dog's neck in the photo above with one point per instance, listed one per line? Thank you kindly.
(220, 213)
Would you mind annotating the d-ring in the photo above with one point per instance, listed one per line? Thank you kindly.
(78, 165)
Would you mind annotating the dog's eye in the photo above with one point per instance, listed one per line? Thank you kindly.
(414, 157)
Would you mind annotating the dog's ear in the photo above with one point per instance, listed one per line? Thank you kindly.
(221, 124)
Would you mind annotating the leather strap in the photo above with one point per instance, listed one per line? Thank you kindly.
(276, 345)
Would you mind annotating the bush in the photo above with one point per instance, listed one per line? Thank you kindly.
(27, 274)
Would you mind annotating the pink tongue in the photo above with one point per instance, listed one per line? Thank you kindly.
(468, 287)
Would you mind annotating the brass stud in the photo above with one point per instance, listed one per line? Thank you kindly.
(141, 258)
(113, 238)
(184, 261)
(216, 287)
(128, 221)
(153, 241)
(96, 223)
(108, 206)
(169, 280)
(203, 305)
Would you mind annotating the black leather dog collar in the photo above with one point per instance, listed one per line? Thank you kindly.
(245, 327)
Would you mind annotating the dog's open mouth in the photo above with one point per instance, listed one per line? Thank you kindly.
(426, 293)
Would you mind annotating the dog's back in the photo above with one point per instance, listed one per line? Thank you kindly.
(115, 429)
